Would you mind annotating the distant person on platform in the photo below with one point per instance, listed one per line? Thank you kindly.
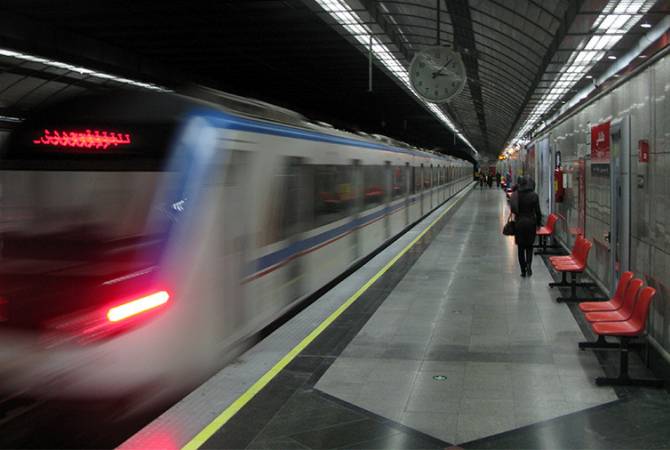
(489, 180)
(481, 180)
(498, 177)
(525, 206)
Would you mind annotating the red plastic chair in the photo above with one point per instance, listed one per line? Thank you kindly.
(634, 326)
(573, 265)
(615, 302)
(546, 231)
(575, 260)
(627, 307)
(572, 257)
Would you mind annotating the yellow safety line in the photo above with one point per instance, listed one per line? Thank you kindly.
(242, 400)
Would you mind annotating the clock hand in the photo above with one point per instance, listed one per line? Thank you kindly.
(438, 72)
(453, 75)
(442, 68)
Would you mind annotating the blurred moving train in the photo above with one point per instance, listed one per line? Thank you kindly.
(145, 236)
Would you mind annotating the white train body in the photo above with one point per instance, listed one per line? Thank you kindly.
(235, 218)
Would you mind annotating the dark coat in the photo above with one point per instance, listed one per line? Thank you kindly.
(526, 208)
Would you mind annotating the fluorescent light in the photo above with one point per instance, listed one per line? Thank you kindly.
(646, 25)
(613, 22)
(79, 69)
(345, 16)
(10, 119)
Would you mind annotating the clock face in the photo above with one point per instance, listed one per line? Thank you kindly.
(437, 74)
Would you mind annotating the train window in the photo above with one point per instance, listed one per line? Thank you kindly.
(418, 172)
(398, 181)
(427, 176)
(289, 209)
(374, 185)
(334, 193)
(412, 180)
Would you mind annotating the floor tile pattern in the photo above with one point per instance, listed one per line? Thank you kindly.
(493, 367)
(289, 413)
(464, 347)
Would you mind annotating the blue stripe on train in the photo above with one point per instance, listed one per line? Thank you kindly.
(276, 257)
(232, 122)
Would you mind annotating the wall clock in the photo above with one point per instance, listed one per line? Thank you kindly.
(437, 74)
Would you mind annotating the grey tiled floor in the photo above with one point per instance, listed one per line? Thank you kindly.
(507, 349)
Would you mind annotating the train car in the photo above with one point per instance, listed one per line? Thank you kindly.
(146, 236)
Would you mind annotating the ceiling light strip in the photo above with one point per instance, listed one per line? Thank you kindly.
(648, 39)
(614, 21)
(79, 69)
(345, 16)
(10, 119)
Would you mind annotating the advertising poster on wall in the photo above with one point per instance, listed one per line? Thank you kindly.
(600, 149)
(600, 143)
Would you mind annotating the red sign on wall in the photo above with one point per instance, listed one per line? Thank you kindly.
(600, 142)
(644, 150)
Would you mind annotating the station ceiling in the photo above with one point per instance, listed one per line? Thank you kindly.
(294, 54)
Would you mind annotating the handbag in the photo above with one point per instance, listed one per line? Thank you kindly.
(509, 228)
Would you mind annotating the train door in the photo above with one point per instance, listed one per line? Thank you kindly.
(431, 201)
(422, 174)
(388, 193)
(235, 260)
(408, 191)
(296, 187)
(357, 205)
(620, 199)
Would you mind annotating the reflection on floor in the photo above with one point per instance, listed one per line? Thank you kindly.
(451, 345)
(464, 347)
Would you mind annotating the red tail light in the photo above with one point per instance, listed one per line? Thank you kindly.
(97, 324)
(138, 306)
(4, 316)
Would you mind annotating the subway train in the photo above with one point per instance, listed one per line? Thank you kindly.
(146, 236)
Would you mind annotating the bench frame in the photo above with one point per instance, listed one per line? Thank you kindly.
(624, 378)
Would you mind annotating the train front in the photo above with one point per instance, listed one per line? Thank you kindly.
(87, 207)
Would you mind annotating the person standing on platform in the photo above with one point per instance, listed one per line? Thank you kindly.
(525, 206)
(489, 180)
(481, 179)
(498, 179)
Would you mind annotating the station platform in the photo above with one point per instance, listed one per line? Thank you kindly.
(437, 342)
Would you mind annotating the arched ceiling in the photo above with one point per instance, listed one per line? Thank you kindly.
(296, 54)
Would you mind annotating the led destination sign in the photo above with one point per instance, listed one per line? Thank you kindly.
(88, 139)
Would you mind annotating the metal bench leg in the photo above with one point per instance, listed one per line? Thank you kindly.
(573, 290)
(549, 242)
(564, 281)
(624, 379)
(601, 343)
(574, 284)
